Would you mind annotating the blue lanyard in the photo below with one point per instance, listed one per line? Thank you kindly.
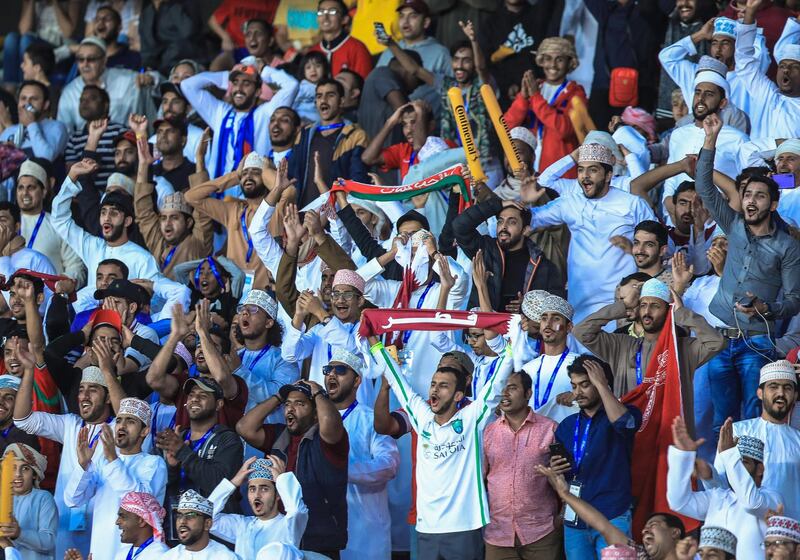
(332, 126)
(258, 357)
(35, 231)
(537, 346)
(145, 544)
(350, 409)
(168, 258)
(489, 376)
(540, 126)
(578, 453)
(407, 334)
(412, 158)
(639, 363)
(97, 435)
(247, 237)
(8, 430)
(549, 388)
(196, 446)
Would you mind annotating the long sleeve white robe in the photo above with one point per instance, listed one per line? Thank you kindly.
(213, 551)
(37, 516)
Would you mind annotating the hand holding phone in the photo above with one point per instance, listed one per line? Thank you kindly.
(380, 33)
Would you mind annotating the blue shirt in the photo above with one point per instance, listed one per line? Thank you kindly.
(605, 470)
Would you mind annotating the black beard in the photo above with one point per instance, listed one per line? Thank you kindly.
(709, 112)
(129, 170)
(191, 539)
(116, 233)
(257, 192)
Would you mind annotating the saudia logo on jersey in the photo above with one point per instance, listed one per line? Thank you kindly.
(458, 426)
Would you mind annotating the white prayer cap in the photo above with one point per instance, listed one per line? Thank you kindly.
(710, 63)
(97, 42)
(432, 146)
(342, 356)
(556, 304)
(597, 153)
(10, 382)
(781, 370)
(657, 289)
(136, 408)
(32, 169)
(725, 26)
(604, 139)
(253, 160)
(524, 134)
(711, 77)
(719, 538)
(782, 527)
(749, 446)
(788, 52)
(281, 551)
(532, 304)
(261, 299)
(93, 375)
(791, 146)
(192, 501)
(175, 201)
(122, 181)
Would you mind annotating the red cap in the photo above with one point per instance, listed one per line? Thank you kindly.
(106, 317)
(127, 135)
(246, 70)
(418, 6)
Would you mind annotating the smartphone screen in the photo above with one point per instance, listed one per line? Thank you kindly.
(784, 180)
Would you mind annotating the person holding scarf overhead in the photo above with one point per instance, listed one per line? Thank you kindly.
(239, 123)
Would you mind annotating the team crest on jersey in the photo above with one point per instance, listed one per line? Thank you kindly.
(458, 426)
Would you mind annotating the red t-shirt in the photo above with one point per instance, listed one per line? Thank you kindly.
(232, 409)
(399, 156)
(233, 14)
(350, 54)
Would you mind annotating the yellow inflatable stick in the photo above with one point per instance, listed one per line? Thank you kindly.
(465, 132)
(500, 126)
(581, 121)
(6, 496)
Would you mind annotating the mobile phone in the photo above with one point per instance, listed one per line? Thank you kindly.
(784, 180)
(381, 31)
(558, 450)
(746, 301)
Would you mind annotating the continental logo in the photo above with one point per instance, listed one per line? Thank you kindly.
(513, 146)
(466, 133)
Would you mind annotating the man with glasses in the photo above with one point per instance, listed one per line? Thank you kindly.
(342, 49)
(782, 539)
(373, 462)
(193, 520)
(121, 85)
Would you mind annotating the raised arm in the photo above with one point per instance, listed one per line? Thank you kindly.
(704, 181)
(157, 376)
(61, 217)
(251, 425)
(195, 89)
(217, 366)
(480, 60)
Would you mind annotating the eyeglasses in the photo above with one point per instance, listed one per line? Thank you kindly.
(473, 335)
(347, 296)
(338, 370)
(327, 12)
(785, 545)
(82, 59)
(249, 309)
(188, 515)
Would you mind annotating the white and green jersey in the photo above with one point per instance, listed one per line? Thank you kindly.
(451, 495)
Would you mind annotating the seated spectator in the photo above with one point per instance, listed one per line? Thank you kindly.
(353, 85)
(38, 63)
(313, 68)
(343, 50)
(168, 31)
(230, 23)
(36, 134)
(120, 85)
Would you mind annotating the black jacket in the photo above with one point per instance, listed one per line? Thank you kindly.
(541, 274)
(367, 244)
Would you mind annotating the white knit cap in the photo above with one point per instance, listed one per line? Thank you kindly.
(97, 42)
(120, 180)
(781, 370)
(432, 146)
(261, 299)
(524, 134)
(725, 26)
(556, 304)
(532, 304)
(10, 382)
(791, 146)
(93, 375)
(136, 408)
(32, 169)
(342, 356)
(711, 77)
(281, 551)
(192, 501)
(253, 160)
(783, 527)
(657, 289)
(719, 538)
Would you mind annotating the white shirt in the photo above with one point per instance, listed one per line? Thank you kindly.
(319, 342)
(214, 110)
(63, 428)
(37, 516)
(373, 461)
(789, 206)
(551, 177)
(451, 493)
(213, 551)
(119, 83)
(154, 551)
(108, 483)
(544, 374)
(53, 246)
(698, 297)
(249, 533)
(594, 266)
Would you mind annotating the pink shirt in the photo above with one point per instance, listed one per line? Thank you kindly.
(521, 502)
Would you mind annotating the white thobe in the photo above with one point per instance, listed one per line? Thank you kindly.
(781, 464)
(698, 297)
(594, 265)
(249, 533)
(52, 246)
(551, 177)
(789, 206)
(719, 507)
(108, 483)
(212, 551)
(74, 524)
(550, 384)
(154, 551)
(373, 461)
(38, 522)
(772, 114)
(689, 139)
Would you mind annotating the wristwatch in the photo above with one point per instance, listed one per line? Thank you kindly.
(322, 392)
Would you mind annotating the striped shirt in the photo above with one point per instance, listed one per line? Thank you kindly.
(105, 148)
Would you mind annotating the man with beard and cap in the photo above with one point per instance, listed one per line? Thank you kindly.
(741, 507)
(116, 216)
(193, 523)
(593, 215)
(34, 183)
(774, 104)
(125, 468)
(270, 490)
(782, 539)
(316, 445)
(236, 214)
(629, 356)
(373, 461)
(523, 509)
(514, 262)
(284, 125)
(241, 125)
(9, 432)
(201, 456)
(777, 392)
(94, 411)
(711, 93)
(140, 519)
(552, 394)
(717, 543)
(759, 284)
